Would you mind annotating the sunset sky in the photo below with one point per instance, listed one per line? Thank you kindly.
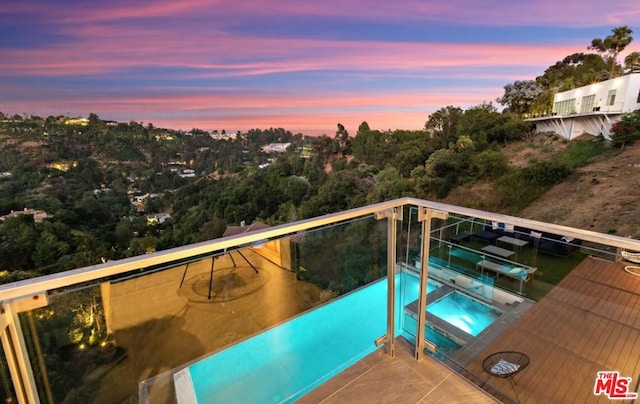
(302, 65)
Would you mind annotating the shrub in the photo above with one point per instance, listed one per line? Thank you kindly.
(489, 163)
(580, 153)
(522, 186)
(627, 130)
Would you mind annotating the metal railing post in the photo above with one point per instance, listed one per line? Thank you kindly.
(424, 215)
(392, 216)
(26, 385)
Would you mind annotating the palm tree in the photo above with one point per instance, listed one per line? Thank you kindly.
(612, 45)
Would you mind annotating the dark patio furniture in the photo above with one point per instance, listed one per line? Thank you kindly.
(487, 236)
(506, 365)
(457, 238)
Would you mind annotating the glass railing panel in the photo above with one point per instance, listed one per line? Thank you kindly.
(7, 392)
(133, 336)
(410, 236)
(98, 342)
(340, 271)
(71, 347)
(553, 256)
(343, 257)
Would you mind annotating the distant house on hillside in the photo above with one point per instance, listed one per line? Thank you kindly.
(62, 165)
(158, 218)
(276, 147)
(243, 228)
(188, 173)
(38, 215)
(591, 109)
(76, 121)
(223, 136)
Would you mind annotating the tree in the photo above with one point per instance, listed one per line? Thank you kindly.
(489, 164)
(369, 146)
(342, 137)
(612, 45)
(575, 70)
(93, 119)
(521, 96)
(478, 122)
(389, 185)
(444, 170)
(632, 62)
(48, 250)
(18, 237)
(442, 125)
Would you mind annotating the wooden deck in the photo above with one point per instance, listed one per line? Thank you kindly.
(590, 322)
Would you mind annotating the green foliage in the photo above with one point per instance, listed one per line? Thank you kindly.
(627, 131)
(93, 219)
(389, 185)
(489, 164)
(18, 238)
(545, 174)
(582, 152)
(632, 62)
(443, 171)
(370, 146)
(340, 191)
(442, 125)
(575, 70)
(522, 186)
(125, 153)
(612, 45)
(345, 257)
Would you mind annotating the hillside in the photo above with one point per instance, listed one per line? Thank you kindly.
(603, 196)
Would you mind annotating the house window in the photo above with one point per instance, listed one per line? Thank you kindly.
(588, 103)
(638, 100)
(565, 107)
(611, 97)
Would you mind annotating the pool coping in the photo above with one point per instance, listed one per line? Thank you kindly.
(456, 333)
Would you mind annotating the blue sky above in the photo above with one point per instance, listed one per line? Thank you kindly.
(218, 64)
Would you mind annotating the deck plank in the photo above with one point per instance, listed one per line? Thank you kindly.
(589, 322)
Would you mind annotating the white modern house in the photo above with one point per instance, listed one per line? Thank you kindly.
(591, 109)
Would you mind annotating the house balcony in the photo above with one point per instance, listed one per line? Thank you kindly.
(398, 301)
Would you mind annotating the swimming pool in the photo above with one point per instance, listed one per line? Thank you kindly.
(464, 312)
(286, 362)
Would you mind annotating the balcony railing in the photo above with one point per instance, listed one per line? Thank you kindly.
(144, 328)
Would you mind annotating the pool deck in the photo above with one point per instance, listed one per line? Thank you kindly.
(590, 322)
(380, 378)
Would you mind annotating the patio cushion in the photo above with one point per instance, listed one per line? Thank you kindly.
(502, 367)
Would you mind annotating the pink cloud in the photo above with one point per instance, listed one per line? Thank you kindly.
(245, 56)
(126, 39)
(570, 13)
(309, 113)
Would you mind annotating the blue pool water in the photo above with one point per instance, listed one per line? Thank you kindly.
(286, 362)
(411, 287)
(464, 312)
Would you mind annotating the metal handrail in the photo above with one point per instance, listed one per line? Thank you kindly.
(42, 284)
